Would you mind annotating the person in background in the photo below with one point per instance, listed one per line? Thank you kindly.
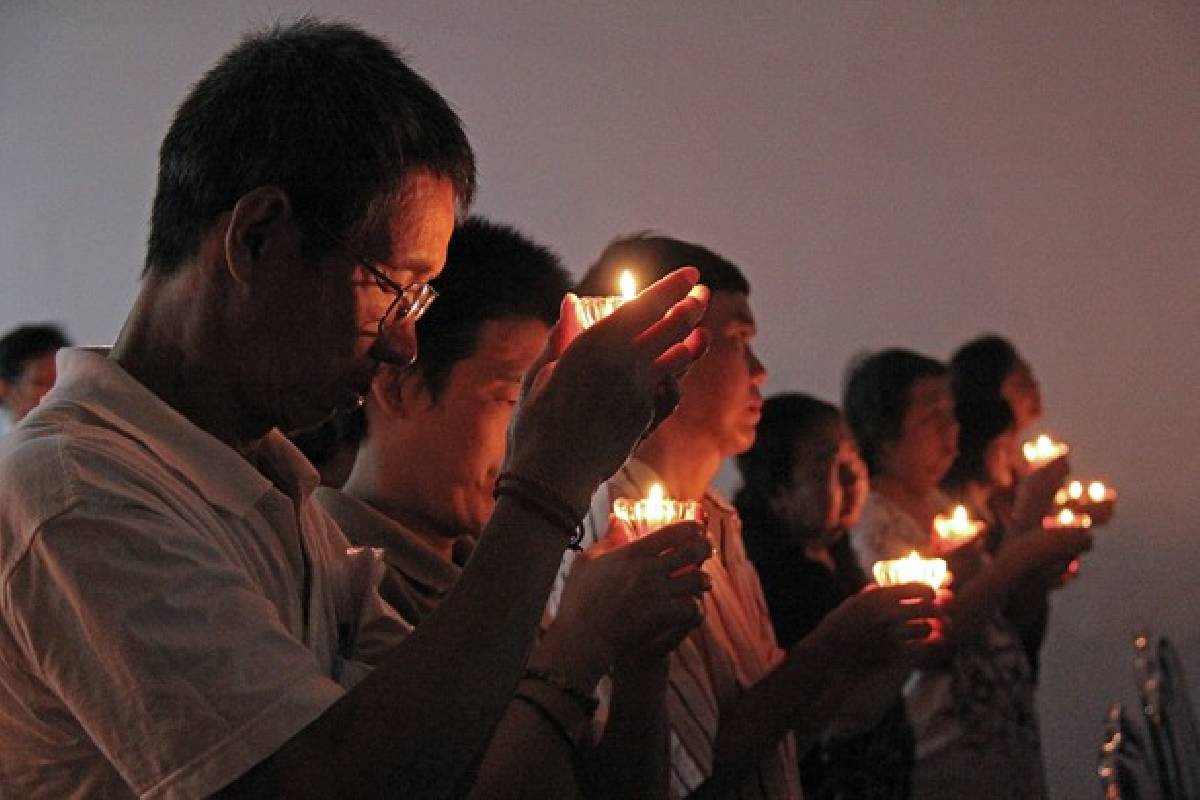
(430, 446)
(180, 618)
(803, 485)
(738, 704)
(27, 369)
(973, 714)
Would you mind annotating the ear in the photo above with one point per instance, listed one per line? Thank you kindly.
(399, 391)
(262, 228)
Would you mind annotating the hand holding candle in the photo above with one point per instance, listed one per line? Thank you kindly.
(1066, 519)
(957, 529)
(1043, 450)
(594, 309)
(1094, 499)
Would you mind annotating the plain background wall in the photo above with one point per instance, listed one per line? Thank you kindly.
(891, 173)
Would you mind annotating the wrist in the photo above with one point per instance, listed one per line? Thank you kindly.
(563, 480)
(581, 663)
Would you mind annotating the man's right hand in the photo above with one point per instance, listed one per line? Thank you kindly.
(590, 395)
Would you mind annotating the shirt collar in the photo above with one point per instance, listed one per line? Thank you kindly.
(403, 550)
(87, 378)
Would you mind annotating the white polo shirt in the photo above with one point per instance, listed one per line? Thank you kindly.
(169, 616)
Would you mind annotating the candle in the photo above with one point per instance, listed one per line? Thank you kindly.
(654, 511)
(957, 529)
(1066, 519)
(911, 569)
(1093, 498)
(594, 309)
(1043, 450)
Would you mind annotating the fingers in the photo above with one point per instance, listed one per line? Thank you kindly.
(689, 584)
(676, 359)
(617, 536)
(563, 332)
(655, 301)
(676, 324)
(668, 537)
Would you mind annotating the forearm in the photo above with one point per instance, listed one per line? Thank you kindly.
(527, 758)
(985, 593)
(801, 695)
(421, 721)
(633, 758)
(868, 700)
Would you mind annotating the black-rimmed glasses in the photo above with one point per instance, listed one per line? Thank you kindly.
(409, 304)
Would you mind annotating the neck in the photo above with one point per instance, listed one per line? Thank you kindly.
(913, 500)
(389, 485)
(687, 464)
(172, 344)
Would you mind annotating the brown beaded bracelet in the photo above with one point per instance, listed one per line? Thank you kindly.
(543, 501)
(551, 677)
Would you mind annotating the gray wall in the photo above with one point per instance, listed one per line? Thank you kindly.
(899, 173)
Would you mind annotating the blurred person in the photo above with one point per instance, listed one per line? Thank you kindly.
(974, 715)
(738, 705)
(803, 485)
(27, 369)
(180, 619)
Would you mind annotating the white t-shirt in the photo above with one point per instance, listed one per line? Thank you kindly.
(169, 617)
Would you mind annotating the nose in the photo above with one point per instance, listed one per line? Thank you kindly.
(758, 371)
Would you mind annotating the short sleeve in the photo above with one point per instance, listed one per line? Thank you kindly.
(162, 647)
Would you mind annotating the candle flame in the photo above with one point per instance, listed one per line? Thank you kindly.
(911, 569)
(1043, 450)
(1097, 491)
(628, 285)
(1069, 519)
(1075, 490)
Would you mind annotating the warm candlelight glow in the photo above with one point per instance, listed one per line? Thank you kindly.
(1043, 450)
(654, 511)
(1098, 492)
(957, 529)
(594, 309)
(1066, 518)
(1094, 498)
(911, 569)
(628, 286)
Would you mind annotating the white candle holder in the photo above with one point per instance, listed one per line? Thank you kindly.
(957, 529)
(1042, 450)
(1093, 498)
(1066, 519)
(647, 515)
(594, 309)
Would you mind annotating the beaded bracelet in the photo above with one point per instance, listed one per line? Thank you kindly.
(543, 501)
(551, 677)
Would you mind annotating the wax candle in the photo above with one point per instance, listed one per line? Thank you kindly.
(957, 529)
(594, 309)
(654, 511)
(911, 569)
(1043, 450)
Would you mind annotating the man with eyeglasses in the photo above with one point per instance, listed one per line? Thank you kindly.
(177, 616)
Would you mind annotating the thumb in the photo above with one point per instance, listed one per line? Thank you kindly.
(564, 331)
(617, 536)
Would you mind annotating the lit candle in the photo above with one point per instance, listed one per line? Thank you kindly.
(1093, 498)
(1043, 450)
(594, 309)
(654, 511)
(911, 569)
(957, 529)
(1067, 519)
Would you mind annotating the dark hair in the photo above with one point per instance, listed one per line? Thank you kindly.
(787, 419)
(980, 421)
(26, 342)
(493, 272)
(322, 110)
(979, 367)
(651, 257)
(876, 397)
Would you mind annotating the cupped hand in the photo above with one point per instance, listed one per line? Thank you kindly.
(592, 393)
(1035, 494)
(877, 625)
(627, 600)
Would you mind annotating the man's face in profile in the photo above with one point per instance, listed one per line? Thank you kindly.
(35, 379)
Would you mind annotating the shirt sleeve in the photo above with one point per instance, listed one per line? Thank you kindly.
(173, 661)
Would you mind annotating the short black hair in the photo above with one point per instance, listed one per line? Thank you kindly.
(326, 112)
(979, 367)
(980, 421)
(26, 342)
(650, 257)
(876, 397)
(767, 466)
(493, 272)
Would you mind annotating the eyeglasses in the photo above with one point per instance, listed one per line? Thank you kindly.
(409, 304)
